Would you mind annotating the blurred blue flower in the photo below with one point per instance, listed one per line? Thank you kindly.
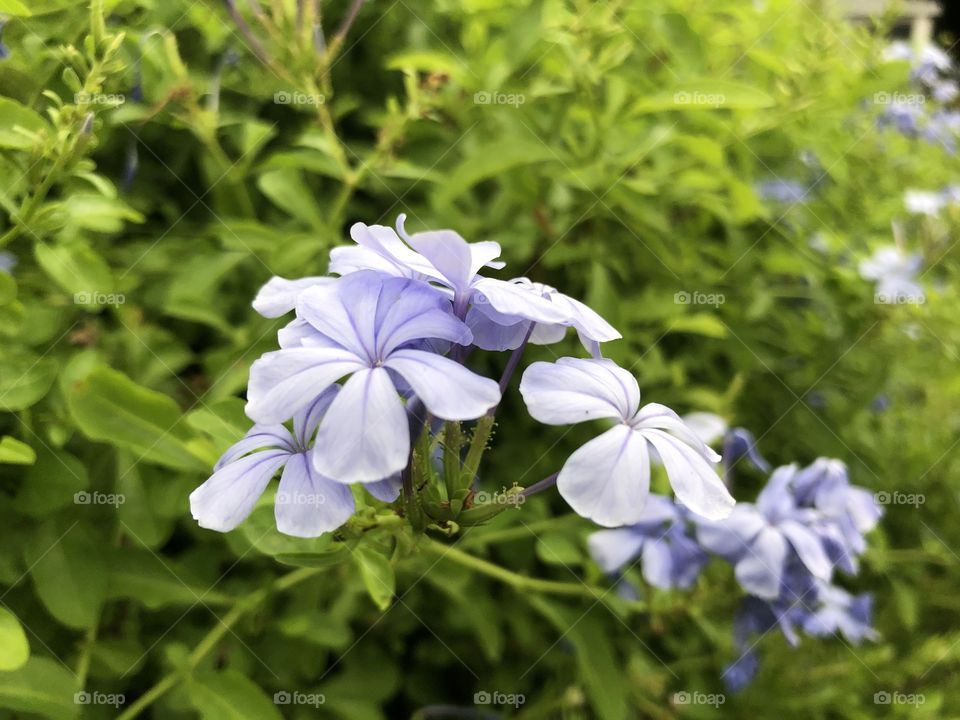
(8, 261)
(367, 327)
(670, 555)
(4, 50)
(839, 611)
(782, 191)
(740, 443)
(608, 479)
(760, 540)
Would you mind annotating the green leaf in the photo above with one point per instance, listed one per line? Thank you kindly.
(557, 548)
(287, 190)
(598, 667)
(14, 648)
(68, 568)
(8, 288)
(99, 213)
(699, 324)
(42, 686)
(13, 7)
(315, 560)
(706, 94)
(378, 576)
(109, 406)
(51, 483)
(77, 269)
(14, 116)
(231, 695)
(156, 582)
(489, 161)
(24, 380)
(15, 452)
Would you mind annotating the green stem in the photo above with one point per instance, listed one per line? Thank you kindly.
(522, 583)
(209, 642)
(478, 445)
(477, 538)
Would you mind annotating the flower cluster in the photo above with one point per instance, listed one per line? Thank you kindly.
(374, 363)
(931, 73)
(783, 549)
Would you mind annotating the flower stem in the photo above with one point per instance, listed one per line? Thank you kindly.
(512, 363)
(522, 583)
(209, 642)
(548, 482)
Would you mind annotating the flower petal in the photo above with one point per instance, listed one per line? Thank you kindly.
(518, 299)
(308, 504)
(279, 295)
(411, 310)
(655, 415)
(229, 496)
(692, 478)
(258, 437)
(364, 436)
(386, 490)
(284, 381)
(612, 549)
(608, 479)
(808, 547)
(759, 571)
(448, 389)
(574, 390)
(729, 538)
(305, 421)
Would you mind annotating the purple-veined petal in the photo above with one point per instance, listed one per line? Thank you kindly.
(284, 381)
(760, 571)
(808, 546)
(305, 421)
(346, 312)
(387, 489)
(300, 333)
(729, 538)
(588, 322)
(308, 504)
(229, 496)
(448, 389)
(517, 300)
(694, 480)
(259, 437)
(279, 295)
(660, 417)
(776, 500)
(573, 390)
(412, 310)
(608, 479)
(612, 549)
(364, 436)
(488, 334)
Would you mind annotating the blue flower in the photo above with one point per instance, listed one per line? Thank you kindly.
(608, 479)
(307, 503)
(8, 261)
(369, 328)
(894, 271)
(839, 611)
(740, 443)
(499, 311)
(761, 540)
(782, 191)
(671, 557)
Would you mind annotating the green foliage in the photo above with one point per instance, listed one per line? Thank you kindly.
(613, 150)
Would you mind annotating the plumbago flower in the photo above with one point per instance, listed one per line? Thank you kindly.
(895, 273)
(374, 362)
(670, 555)
(608, 479)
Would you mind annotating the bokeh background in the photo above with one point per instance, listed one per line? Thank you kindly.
(159, 167)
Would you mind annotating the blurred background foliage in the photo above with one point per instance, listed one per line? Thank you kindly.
(160, 166)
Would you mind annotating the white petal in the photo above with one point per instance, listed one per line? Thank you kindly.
(808, 547)
(279, 295)
(364, 436)
(228, 497)
(448, 389)
(608, 479)
(761, 569)
(308, 504)
(284, 381)
(655, 415)
(574, 390)
(612, 549)
(692, 478)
